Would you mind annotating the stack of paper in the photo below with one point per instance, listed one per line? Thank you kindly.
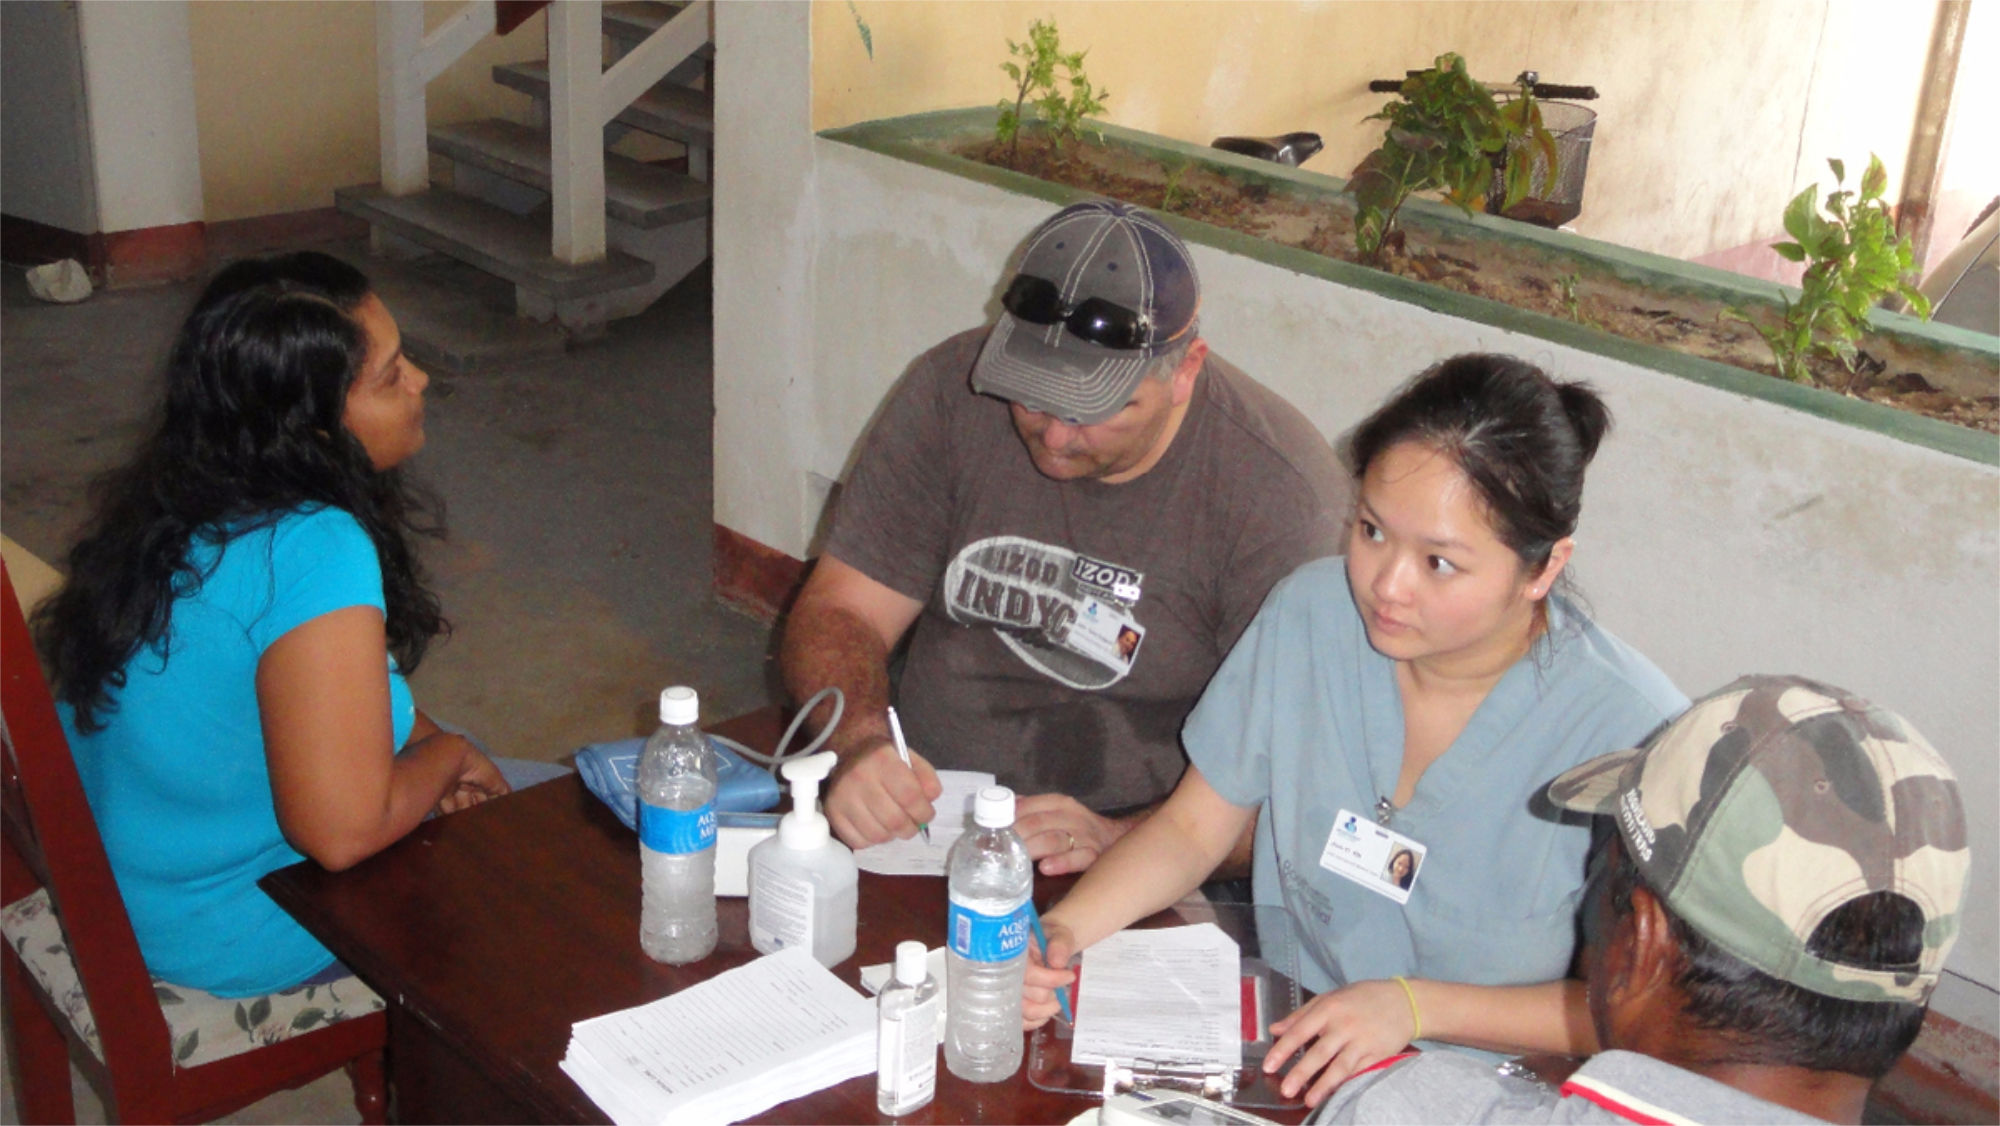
(739, 1043)
(1170, 995)
(916, 856)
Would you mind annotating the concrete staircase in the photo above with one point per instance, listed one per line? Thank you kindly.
(584, 236)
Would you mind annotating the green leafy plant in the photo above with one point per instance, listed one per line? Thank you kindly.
(861, 26)
(1172, 194)
(1033, 69)
(1853, 259)
(1572, 304)
(1446, 134)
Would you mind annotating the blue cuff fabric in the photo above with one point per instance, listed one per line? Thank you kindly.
(611, 771)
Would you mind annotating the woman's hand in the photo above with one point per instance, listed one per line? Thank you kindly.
(1062, 834)
(1039, 981)
(478, 779)
(1337, 1034)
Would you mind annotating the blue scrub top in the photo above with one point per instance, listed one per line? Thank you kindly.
(1305, 719)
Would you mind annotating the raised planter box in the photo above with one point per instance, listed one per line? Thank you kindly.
(929, 139)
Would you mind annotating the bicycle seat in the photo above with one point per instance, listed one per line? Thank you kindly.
(1289, 148)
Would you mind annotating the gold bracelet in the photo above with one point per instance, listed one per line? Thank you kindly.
(1416, 1018)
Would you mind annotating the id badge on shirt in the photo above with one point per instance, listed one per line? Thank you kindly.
(1375, 856)
(1105, 632)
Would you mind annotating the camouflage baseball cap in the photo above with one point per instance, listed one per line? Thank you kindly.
(1770, 804)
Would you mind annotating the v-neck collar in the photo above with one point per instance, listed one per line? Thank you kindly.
(1510, 699)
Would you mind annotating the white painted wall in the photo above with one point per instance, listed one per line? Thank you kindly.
(1721, 535)
(138, 73)
(44, 133)
(763, 176)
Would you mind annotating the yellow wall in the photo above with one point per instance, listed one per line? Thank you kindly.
(1712, 114)
(285, 98)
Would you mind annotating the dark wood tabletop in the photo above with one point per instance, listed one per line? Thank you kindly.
(492, 931)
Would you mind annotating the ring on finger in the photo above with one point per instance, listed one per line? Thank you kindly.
(1070, 845)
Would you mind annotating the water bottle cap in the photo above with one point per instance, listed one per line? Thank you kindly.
(679, 705)
(993, 808)
(912, 962)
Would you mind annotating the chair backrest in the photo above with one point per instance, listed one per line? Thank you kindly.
(51, 840)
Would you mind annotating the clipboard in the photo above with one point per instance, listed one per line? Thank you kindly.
(1270, 944)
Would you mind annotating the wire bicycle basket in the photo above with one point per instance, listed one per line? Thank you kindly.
(1548, 204)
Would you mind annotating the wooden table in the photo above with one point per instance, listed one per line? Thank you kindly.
(492, 931)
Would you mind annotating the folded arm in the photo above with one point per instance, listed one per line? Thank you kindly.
(341, 790)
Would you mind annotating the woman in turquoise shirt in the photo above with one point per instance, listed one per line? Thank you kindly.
(1413, 698)
(229, 650)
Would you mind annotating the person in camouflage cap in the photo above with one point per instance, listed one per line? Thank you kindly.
(1775, 888)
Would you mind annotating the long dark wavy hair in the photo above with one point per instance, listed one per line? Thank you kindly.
(251, 429)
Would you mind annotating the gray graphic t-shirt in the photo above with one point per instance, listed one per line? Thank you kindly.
(1068, 627)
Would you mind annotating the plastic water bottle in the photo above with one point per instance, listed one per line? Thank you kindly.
(677, 835)
(987, 942)
(906, 1029)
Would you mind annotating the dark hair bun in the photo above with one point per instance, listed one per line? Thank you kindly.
(1587, 413)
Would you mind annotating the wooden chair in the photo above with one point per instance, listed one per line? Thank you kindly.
(64, 916)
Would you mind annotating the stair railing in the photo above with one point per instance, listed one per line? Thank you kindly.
(584, 98)
(406, 60)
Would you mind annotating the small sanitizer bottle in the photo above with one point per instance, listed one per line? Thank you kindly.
(906, 1035)
(803, 883)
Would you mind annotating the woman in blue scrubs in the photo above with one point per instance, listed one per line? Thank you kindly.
(1413, 696)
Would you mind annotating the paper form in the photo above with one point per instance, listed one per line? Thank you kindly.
(954, 815)
(778, 1028)
(1171, 995)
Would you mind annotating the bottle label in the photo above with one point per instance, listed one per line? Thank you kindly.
(676, 831)
(989, 938)
(781, 910)
(906, 1057)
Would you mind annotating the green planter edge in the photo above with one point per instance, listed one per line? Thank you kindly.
(915, 138)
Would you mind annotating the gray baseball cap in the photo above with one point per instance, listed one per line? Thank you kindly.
(1772, 803)
(1103, 291)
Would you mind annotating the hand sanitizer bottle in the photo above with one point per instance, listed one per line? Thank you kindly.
(803, 883)
(907, 1035)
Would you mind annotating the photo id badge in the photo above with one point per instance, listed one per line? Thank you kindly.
(1106, 633)
(1376, 857)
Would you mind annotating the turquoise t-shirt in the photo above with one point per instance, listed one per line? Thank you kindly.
(1305, 719)
(177, 777)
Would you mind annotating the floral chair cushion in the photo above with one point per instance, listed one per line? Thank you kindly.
(202, 1027)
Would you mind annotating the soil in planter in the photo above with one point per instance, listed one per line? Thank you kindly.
(1901, 373)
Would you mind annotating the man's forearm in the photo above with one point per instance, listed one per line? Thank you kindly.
(829, 646)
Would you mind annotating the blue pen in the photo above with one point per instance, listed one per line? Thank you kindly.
(1062, 995)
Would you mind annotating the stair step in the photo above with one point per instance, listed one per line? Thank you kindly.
(674, 112)
(491, 238)
(644, 195)
(633, 21)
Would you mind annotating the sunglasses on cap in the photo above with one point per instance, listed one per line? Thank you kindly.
(1038, 301)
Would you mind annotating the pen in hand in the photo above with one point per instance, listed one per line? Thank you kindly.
(903, 752)
(1042, 937)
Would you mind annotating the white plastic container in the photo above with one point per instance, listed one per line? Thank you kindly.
(986, 945)
(906, 1035)
(804, 887)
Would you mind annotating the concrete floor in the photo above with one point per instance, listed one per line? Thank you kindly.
(578, 491)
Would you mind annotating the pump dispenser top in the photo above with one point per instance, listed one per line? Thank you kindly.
(805, 826)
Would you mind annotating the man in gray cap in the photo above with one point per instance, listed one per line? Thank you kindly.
(1762, 930)
(1071, 516)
